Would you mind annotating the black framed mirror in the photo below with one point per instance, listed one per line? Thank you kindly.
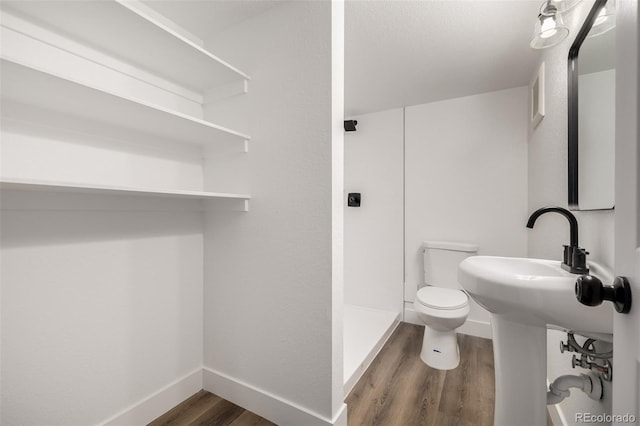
(591, 107)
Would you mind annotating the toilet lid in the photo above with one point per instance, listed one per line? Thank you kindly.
(441, 298)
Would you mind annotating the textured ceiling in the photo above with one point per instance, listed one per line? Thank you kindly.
(404, 52)
(400, 53)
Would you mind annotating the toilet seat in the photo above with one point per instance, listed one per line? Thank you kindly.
(442, 298)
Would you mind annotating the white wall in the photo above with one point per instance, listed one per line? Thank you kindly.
(466, 178)
(548, 186)
(101, 304)
(374, 270)
(101, 295)
(269, 323)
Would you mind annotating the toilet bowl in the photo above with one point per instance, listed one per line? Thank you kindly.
(442, 305)
(442, 310)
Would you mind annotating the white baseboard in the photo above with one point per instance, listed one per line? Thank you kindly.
(471, 327)
(341, 418)
(555, 412)
(148, 409)
(476, 328)
(557, 416)
(265, 404)
(410, 315)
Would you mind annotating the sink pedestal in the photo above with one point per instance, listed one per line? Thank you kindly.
(524, 296)
(520, 354)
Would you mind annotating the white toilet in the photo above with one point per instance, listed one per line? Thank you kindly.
(442, 305)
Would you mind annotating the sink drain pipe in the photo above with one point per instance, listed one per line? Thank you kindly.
(591, 384)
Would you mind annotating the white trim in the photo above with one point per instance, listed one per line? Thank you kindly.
(226, 91)
(159, 20)
(123, 110)
(476, 328)
(160, 31)
(336, 314)
(450, 245)
(357, 375)
(557, 416)
(66, 46)
(265, 404)
(555, 412)
(17, 184)
(149, 408)
(536, 97)
(340, 419)
(410, 314)
(173, 29)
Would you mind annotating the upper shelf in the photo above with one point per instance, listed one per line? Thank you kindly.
(27, 85)
(38, 185)
(133, 32)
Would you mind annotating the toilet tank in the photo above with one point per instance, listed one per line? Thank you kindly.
(441, 260)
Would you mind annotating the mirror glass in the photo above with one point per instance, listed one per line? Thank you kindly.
(592, 111)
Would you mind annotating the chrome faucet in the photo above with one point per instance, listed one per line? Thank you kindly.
(575, 257)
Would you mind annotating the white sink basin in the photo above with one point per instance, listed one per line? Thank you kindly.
(535, 292)
(525, 297)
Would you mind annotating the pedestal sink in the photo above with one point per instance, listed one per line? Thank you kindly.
(525, 297)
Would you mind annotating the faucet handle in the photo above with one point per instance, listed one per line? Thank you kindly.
(565, 347)
(591, 292)
(575, 260)
(579, 261)
(567, 258)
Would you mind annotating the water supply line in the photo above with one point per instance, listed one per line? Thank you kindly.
(585, 349)
(589, 358)
(591, 384)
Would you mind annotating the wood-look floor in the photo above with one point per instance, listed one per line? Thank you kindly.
(207, 409)
(398, 389)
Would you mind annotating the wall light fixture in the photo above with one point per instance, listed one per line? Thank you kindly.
(550, 29)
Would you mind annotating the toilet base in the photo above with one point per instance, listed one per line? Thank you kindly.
(440, 349)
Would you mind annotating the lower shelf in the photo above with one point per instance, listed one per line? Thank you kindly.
(36, 185)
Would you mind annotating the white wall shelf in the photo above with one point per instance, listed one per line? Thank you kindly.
(40, 185)
(29, 85)
(115, 64)
(137, 34)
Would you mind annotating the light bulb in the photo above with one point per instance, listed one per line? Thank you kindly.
(548, 27)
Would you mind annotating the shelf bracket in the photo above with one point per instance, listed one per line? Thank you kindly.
(246, 145)
(226, 91)
(246, 205)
